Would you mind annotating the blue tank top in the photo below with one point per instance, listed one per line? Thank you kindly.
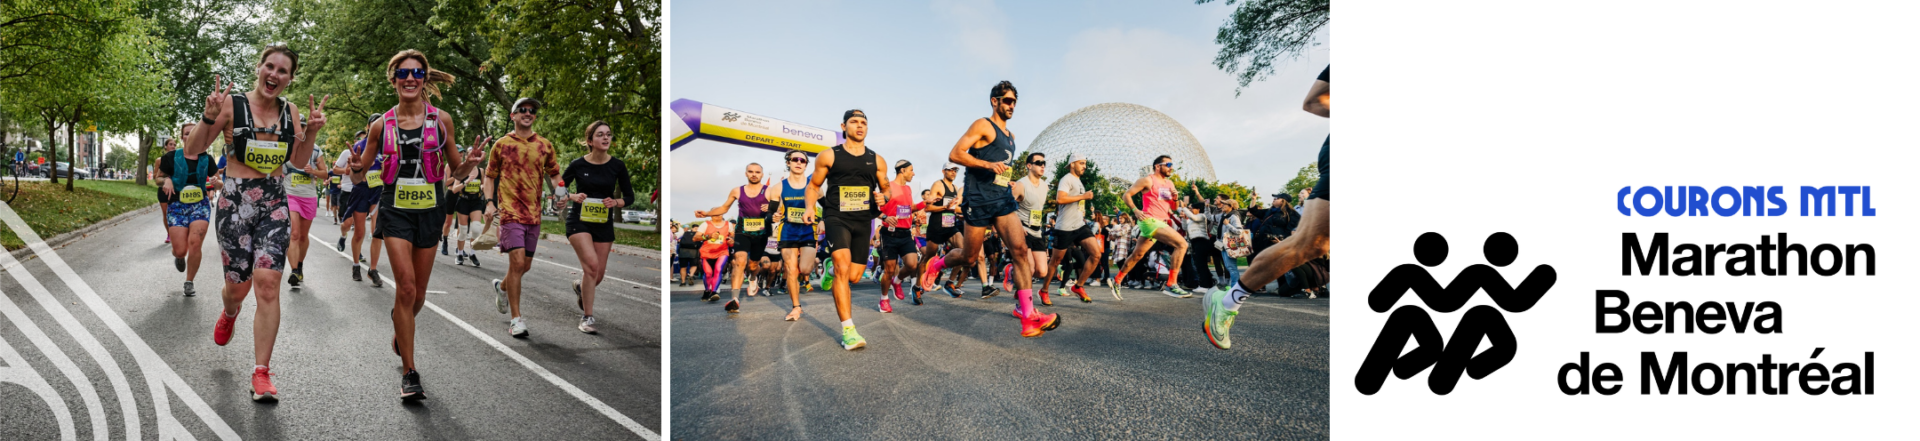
(794, 201)
(980, 183)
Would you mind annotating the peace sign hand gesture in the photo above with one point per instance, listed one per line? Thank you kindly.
(218, 99)
(479, 148)
(316, 115)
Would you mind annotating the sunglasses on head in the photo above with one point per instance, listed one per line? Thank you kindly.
(401, 74)
(527, 110)
(1008, 100)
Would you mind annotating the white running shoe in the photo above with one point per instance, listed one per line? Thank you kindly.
(499, 296)
(586, 325)
(517, 327)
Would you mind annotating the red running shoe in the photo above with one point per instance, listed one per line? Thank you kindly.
(263, 390)
(1036, 324)
(1082, 293)
(223, 329)
(884, 305)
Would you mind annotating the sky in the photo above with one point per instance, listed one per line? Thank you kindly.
(922, 72)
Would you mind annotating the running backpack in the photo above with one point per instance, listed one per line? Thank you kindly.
(429, 145)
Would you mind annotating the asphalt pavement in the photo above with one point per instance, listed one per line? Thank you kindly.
(97, 342)
(958, 369)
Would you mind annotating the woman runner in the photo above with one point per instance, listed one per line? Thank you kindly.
(410, 137)
(596, 178)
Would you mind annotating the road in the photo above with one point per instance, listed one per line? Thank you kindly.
(958, 369)
(99, 343)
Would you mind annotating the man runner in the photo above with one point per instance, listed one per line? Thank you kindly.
(1309, 242)
(898, 257)
(986, 151)
(843, 184)
(750, 234)
(520, 167)
(796, 238)
(1070, 226)
(1155, 219)
(1030, 193)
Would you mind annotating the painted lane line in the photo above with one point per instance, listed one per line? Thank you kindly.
(17, 371)
(542, 372)
(1284, 308)
(88, 395)
(614, 292)
(160, 376)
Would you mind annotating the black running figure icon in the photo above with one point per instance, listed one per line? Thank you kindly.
(1455, 355)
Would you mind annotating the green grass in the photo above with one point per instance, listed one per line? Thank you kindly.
(643, 239)
(51, 210)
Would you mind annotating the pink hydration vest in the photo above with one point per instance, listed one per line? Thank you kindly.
(429, 145)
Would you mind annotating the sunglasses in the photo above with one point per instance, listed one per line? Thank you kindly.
(1008, 100)
(1039, 163)
(401, 74)
(1166, 164)
(797, 159)
(527, 110)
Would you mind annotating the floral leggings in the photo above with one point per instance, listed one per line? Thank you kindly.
(253, 227)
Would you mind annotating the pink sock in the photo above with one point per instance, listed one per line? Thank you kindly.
(1025, 299)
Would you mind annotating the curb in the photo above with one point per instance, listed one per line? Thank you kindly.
(617, 248)
(56, 242)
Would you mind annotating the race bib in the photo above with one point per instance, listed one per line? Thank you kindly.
(593, 210)
(373, 179)
(473, 186)
(854, 198)
(299, 179)
(192, 195)
(773, 245)
(753, 225)
(1002, 180)
(265, 155)
(336, 180)
(415, 194)
(946, 220)
(795, 214)
(1036, 218)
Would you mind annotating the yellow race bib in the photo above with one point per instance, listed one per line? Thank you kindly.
(192, 195)
(415, 194)
(299, 179)
(593, 210)
(855, 198)
(265, 155)
(1036, 218)
(473, 186)
(373, 179)
(795, 214)
(753, 225)
(336, 180)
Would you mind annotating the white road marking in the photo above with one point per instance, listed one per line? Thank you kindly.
(1283, 308)
(542, 372)
(17, 371)
(160, 377)
(84, 387)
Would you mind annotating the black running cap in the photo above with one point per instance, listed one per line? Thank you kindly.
(848, 116)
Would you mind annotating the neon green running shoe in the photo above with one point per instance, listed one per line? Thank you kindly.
(1219, 319)
(850, 339)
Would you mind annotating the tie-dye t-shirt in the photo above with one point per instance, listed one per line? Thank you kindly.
(518, 168)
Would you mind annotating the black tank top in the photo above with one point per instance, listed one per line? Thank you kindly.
(850, 178)
(980, 181)
(245, 128)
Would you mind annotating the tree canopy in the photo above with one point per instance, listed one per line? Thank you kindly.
(1260, 31)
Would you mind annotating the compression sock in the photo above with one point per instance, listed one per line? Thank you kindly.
(1024, 301)
(1237, 296)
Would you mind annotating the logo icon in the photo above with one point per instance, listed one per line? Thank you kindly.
(730, 117)
(1451, 357)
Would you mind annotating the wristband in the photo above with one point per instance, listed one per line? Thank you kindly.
(205, 119)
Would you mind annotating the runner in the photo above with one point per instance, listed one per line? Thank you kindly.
(154, 174)
(843, 189)
(986, 149)
(688, 251)
(943, 231)
(1155, 219)
(796, 236)
(1030, 193)
(184, 183)
(750, 235)
(598, 177)
(253, 227)
(897, 254)
(522, 164)
(716, 238)
(1070, 226)
(409, 138)
(345, 182)
(303, 204)
(469, 208)
(1309, 242)
(362, 193)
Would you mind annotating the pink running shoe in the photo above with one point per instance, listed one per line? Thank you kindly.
(897, 292)
(223, 329)
(1037, 324)
(885, 306)
(932, 272)
(263, 390)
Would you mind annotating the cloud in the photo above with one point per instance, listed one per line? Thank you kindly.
(980, 31)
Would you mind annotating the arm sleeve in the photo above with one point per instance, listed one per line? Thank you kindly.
(624, 183)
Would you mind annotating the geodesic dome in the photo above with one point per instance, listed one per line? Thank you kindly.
(1123, 139)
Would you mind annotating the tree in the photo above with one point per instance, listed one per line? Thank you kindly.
(1262, 30)
(202, 38)
(120, 158)
(1308, 177)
